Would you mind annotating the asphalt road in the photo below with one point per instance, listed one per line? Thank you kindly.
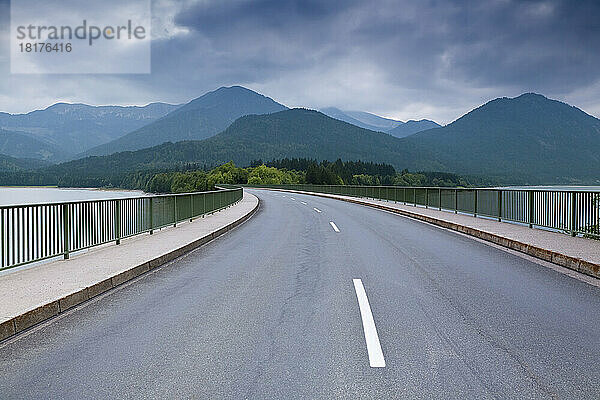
(270, 310)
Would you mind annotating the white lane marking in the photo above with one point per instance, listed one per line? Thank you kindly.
(317, 210)
(303, 202)
(376, 359)
(334, 226)
(292, 198)
(283, 195)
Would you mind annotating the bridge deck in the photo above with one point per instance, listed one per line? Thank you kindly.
(31, 294)
(576, 253)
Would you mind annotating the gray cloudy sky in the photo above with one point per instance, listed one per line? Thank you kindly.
(404, 59)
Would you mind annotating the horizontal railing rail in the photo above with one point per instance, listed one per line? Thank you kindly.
(568, 211)
(36, 232)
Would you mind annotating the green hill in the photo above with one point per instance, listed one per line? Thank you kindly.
(199, 119)
(296, 133)
(529, 136)
(11, 164)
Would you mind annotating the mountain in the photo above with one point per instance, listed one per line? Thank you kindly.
(379, 124)
(290, 133)
(409, 127)
(78, 127)
(343, 116)
(25, 145)
(529, 135)
(199, 119)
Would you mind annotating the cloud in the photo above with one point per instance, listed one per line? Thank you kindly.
(401, 58)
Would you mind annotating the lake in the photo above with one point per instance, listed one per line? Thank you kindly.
(565, 188)
(32, 195)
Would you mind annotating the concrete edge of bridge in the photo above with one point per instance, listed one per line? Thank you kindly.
(563, 260)
(18, 324)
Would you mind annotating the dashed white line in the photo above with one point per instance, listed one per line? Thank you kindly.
(292, 198)
(303, 202)
(334, 226)
(317, 210)
(376, 359)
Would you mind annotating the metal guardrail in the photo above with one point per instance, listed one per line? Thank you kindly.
(35, 232)
(573, 212)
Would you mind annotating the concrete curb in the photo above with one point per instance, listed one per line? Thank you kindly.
(575, 264)
(42, 313)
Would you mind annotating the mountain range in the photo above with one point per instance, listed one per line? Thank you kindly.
(72, 131)
(63, 130)
(529, 139)
(379, 124)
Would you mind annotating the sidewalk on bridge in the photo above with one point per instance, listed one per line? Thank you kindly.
(33, 294)
(576, 253)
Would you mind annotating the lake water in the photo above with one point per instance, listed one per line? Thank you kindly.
(565, 188)
(32, 195)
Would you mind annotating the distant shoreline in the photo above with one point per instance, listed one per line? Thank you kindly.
(74, 188)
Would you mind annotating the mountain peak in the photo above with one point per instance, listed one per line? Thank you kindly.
(531, 96)
(199, 119)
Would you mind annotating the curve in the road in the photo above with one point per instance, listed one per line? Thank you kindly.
(270, 310)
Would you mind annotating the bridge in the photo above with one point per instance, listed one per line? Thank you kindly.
(307, 292)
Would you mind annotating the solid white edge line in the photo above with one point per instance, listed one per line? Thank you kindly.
(334, 226)
(317, 210)
(376, 359)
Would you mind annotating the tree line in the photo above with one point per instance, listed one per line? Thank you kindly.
(193, 177)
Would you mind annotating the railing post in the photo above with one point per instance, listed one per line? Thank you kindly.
(174, 210)
(499, 205)
(118, 221)
(573, 214)
(440, 198)
(151, 216)
(475, 204)
(404, 195)
(455, 201)
(426, 198)
(531, 211)
(191, 207)
(66, 242)
(2, 251)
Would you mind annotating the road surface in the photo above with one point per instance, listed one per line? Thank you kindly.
(318, 298)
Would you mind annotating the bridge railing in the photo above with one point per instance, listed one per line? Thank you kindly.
(567, 211)
(35, 232)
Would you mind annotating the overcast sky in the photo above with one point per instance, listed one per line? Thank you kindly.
(405, 59)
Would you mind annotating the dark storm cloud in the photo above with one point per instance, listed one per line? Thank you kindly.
(551, 45)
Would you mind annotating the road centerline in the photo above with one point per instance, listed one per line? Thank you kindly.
(317, 210)
(334, 226)
(376, 359)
